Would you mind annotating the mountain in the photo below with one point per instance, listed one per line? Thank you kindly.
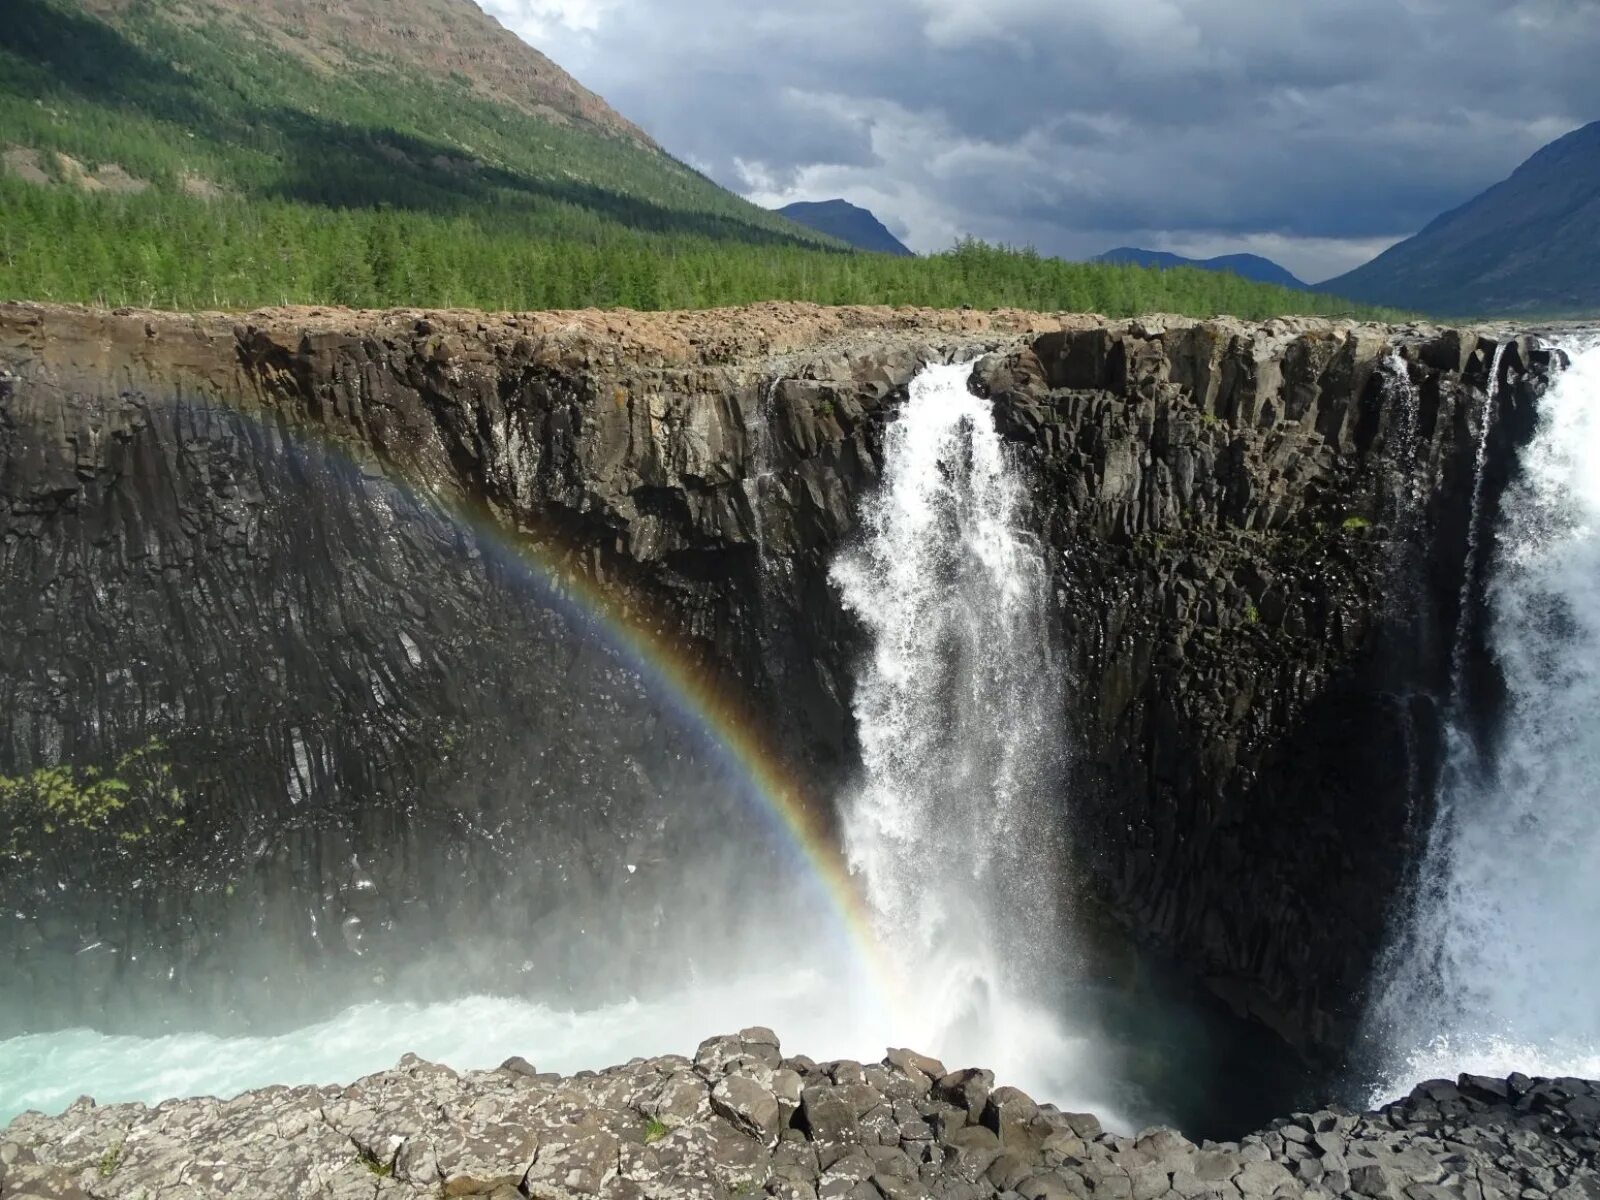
(448, 41)
(1530, 244)
(1246, 266)
(843, 220)
(417, 106)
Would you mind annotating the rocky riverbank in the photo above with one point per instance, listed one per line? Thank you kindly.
(741, 1119)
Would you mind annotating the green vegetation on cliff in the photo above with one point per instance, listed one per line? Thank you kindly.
(208, 153)
(122, 803)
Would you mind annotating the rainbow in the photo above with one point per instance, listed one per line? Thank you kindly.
(714, 713)
(719, 717)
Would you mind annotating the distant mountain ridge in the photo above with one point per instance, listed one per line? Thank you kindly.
(1246, 266)
(847, 222)
(1529, 245)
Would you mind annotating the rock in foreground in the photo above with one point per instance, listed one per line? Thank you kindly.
(740, 1120)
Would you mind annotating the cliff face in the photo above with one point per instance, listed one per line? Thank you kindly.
(237, 577)
(1262, 539)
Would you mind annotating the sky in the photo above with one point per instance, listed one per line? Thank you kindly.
(1315, 132)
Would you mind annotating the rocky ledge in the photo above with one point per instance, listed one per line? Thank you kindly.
(740, 1119)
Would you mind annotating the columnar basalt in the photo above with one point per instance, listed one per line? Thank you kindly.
(273, 558)
(1261, 537)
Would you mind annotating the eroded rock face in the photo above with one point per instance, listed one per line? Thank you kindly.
(879, 1132)
(271, 571)
(1260, 538)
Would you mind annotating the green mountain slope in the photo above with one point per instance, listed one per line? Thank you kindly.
(1528, 245)
(235, 153)
(241, 98)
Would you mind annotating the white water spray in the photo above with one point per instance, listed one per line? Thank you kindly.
(1499, 968)
(958, 711)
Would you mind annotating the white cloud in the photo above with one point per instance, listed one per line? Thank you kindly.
(539, 21)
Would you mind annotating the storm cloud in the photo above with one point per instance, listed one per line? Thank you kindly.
(1313, 132)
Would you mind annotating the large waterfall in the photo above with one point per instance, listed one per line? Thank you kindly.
(958, 713)
(1498, 969)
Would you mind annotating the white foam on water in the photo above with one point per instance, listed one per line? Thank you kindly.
(824, 1016)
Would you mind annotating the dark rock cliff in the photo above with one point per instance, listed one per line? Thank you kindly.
(1261, 537)
(272, 578)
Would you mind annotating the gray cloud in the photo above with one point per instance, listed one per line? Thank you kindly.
(1313, 131)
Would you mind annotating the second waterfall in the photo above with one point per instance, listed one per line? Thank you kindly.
(958, 709)
(1497, 967)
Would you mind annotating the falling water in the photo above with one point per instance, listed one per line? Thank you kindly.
(1469, 572)
(1401, 392)
(1405, 507)
(759, 433)
(958, 708)
(1499, 967)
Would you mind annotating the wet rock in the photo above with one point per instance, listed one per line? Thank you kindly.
(829, 1120)
(970, 1151)
(921, 1070)
(1012, 1115)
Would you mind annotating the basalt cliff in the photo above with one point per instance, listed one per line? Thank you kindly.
(296, 617)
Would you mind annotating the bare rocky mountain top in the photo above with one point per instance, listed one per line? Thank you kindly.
(740, 1119)
(444, 39)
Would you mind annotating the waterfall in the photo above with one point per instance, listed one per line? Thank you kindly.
(758, 429)
(1498, 968)
(1469, 574)
(1401, 392)
(958, 709)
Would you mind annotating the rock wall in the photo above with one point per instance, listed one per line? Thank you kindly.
(741, 1119)
(272, 576)
(1261, 540)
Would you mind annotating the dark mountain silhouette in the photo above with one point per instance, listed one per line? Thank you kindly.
(1530, 244)
(1247, 266)
(848, 223)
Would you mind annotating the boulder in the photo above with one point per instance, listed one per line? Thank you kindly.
(749, 1106)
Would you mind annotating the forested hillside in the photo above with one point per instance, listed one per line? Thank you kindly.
(213, 153)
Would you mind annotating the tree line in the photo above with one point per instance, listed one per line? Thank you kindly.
(167, 250)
